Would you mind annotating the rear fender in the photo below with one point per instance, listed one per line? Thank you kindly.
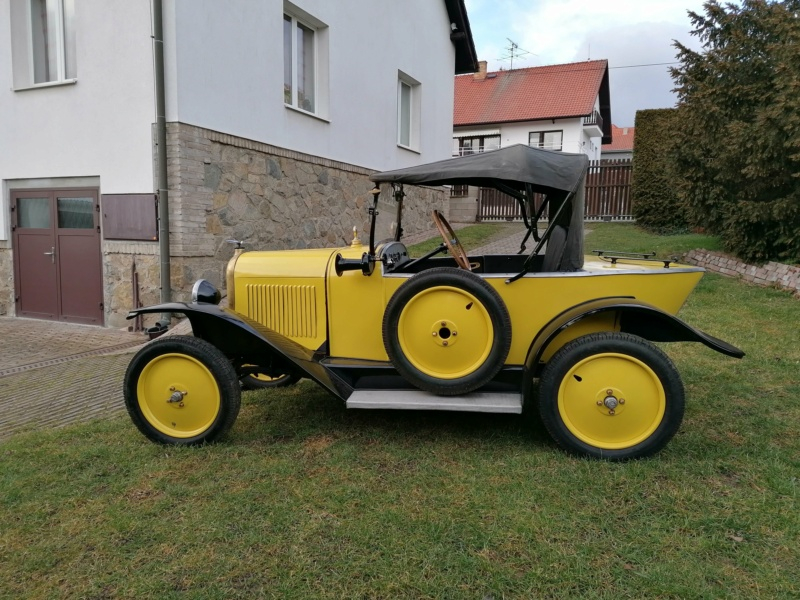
(247, 341)
(630, 316)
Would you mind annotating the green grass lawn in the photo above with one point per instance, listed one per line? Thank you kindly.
(304, 499)
(472, 236)
(626, 237)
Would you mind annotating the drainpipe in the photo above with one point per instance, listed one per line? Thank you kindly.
(161, 142)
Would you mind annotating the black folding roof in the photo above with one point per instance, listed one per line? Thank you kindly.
(513, 166)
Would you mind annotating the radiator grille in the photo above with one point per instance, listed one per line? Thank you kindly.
(288, 309)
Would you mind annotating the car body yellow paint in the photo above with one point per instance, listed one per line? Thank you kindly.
(445, 332)
(634, 386)
(195, 408)
(355, 311)
(285, 291)
(299, 294)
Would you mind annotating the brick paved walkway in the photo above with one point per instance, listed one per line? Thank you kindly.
(28, 342)
(52, 373)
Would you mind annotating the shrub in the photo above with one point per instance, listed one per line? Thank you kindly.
(738, 146)
(656, 203)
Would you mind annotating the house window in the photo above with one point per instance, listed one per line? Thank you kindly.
(43, 42)
(459, 191)
(53, 40)
(549, 140)
(475, 144)
(408, 109)
(299, 64)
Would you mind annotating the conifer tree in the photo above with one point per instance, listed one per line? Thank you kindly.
(738, 139)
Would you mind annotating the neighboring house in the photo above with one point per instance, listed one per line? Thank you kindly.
(621, 146)
(276, 111)
(558, 107)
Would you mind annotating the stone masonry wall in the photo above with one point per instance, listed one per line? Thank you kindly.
(769, 274)
(464, 209)
(224, 187)
(119, 258)
(6, 283)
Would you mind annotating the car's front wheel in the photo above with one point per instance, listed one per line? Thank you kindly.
(181, 390)
(611, 395)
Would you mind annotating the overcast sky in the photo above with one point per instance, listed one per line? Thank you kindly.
(626, 32)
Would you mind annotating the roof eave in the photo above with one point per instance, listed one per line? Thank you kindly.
(461, 36)
(605, 107)
(559, 117)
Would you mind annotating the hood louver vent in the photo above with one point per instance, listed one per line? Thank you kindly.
(291, 310)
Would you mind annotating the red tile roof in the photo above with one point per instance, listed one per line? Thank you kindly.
(623, 139)
(536, 93)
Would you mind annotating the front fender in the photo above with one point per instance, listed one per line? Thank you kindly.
(634, 317)
(247, 341)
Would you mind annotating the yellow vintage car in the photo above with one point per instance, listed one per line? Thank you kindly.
(567, 335)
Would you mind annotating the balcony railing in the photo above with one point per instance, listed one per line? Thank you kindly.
(475, 150)
(593, 119)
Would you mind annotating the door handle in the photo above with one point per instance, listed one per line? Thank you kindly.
(51, 254)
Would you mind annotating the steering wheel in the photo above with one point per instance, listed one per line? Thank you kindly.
(451, 241)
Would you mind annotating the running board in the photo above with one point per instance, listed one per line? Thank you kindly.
(484, 402)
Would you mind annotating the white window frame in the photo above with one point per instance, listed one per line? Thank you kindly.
(319, 60)
(458, 144)
(23, 50)
(541, 143)
(405, 81)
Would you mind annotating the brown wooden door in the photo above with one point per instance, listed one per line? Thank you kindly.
(35, 269)
(57, 264)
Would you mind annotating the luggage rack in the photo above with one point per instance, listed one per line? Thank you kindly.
(614, 256)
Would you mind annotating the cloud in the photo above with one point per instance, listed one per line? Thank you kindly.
(637, 88)
(626, 32)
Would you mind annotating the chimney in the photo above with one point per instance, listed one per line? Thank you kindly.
(481, 74)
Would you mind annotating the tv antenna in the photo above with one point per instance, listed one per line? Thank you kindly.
(514, 51)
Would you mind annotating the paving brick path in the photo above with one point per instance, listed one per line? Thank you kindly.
(52, 374)
(30, 341)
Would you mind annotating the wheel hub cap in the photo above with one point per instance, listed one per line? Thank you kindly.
(444, 333)
(176, 397)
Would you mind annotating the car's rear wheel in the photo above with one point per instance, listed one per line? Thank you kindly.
(259, 381)
(447, 331)
(611, 395)
(181, 390)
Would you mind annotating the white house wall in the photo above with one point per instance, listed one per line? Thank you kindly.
(574, 140)
(99, 126)
(228, 76)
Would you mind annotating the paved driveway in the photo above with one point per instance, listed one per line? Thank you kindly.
(53, 374)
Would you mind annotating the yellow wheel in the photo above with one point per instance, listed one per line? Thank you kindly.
(257, 381)
(611, 395)
(447, 331)
(181, 390)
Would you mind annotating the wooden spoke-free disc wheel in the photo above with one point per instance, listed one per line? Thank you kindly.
(447, 331)
(611, 395)
(181, 390)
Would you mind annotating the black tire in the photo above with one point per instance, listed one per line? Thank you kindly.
(613, 396)
(434, 307)
(260, 382)
(169, 368)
